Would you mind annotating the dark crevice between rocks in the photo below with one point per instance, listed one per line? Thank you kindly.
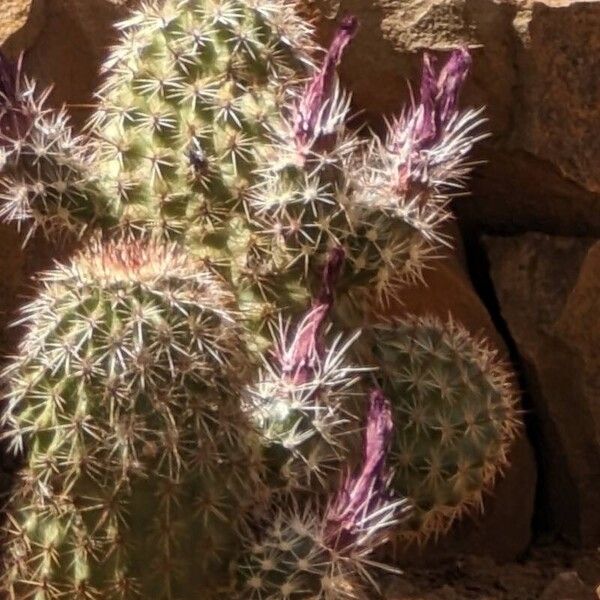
(479, 271)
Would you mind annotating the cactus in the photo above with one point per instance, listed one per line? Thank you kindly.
(324, 552)
(455, 414)
(307, 403)
(45, 169)
(141, 465)
(258, 224)
(191, 91)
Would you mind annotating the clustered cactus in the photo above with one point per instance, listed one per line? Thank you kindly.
(206, 404)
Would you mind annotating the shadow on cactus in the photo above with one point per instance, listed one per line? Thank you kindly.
(254, 225)
(456, 417)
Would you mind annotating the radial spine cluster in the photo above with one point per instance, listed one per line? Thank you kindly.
(456, 415)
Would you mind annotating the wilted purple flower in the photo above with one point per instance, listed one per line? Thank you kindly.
(301, 360)
(425, 123)
(310, 118)
(365, 492)
(439, 95)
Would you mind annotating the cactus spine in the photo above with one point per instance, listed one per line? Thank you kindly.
(190, 92)
(322, 552)
(125, 392)
(46, 177)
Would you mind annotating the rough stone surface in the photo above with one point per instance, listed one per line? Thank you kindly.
(548, 573)
(64, 43)
(503, 531)
(549, 292)
(14, 15)
(536, 69)
(568, 586)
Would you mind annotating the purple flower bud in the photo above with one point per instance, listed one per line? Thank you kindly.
(365, 490)
(310, 112)
(301, 360)
(424, 125)
(450, 82)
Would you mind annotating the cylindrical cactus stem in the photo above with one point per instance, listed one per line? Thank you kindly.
(324, 550)
(302, 190)
(140, 463)
(455, 418)
(47, 181)
(308, 402)
(190, 92)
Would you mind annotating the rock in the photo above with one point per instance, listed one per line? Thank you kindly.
(503, 531)
(65, 42)
(588, 569)
(14, 15)
(536, 69)
(568, 586)
(549, 293)
(559, 117)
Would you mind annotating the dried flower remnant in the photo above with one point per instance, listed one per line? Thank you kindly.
(318, 111)
(308, 401)
(366, 493)
(299, 361)
(424, 135)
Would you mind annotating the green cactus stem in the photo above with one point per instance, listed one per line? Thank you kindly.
(46, 174)
(140, 464)
(455, 418)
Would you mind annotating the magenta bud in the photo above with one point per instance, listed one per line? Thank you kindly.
(424, 124)
(308, 126)
(364, 490)
(301, 360)
(439, 96)
(450, 82)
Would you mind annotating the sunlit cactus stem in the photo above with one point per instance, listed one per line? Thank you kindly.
(47, 180)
